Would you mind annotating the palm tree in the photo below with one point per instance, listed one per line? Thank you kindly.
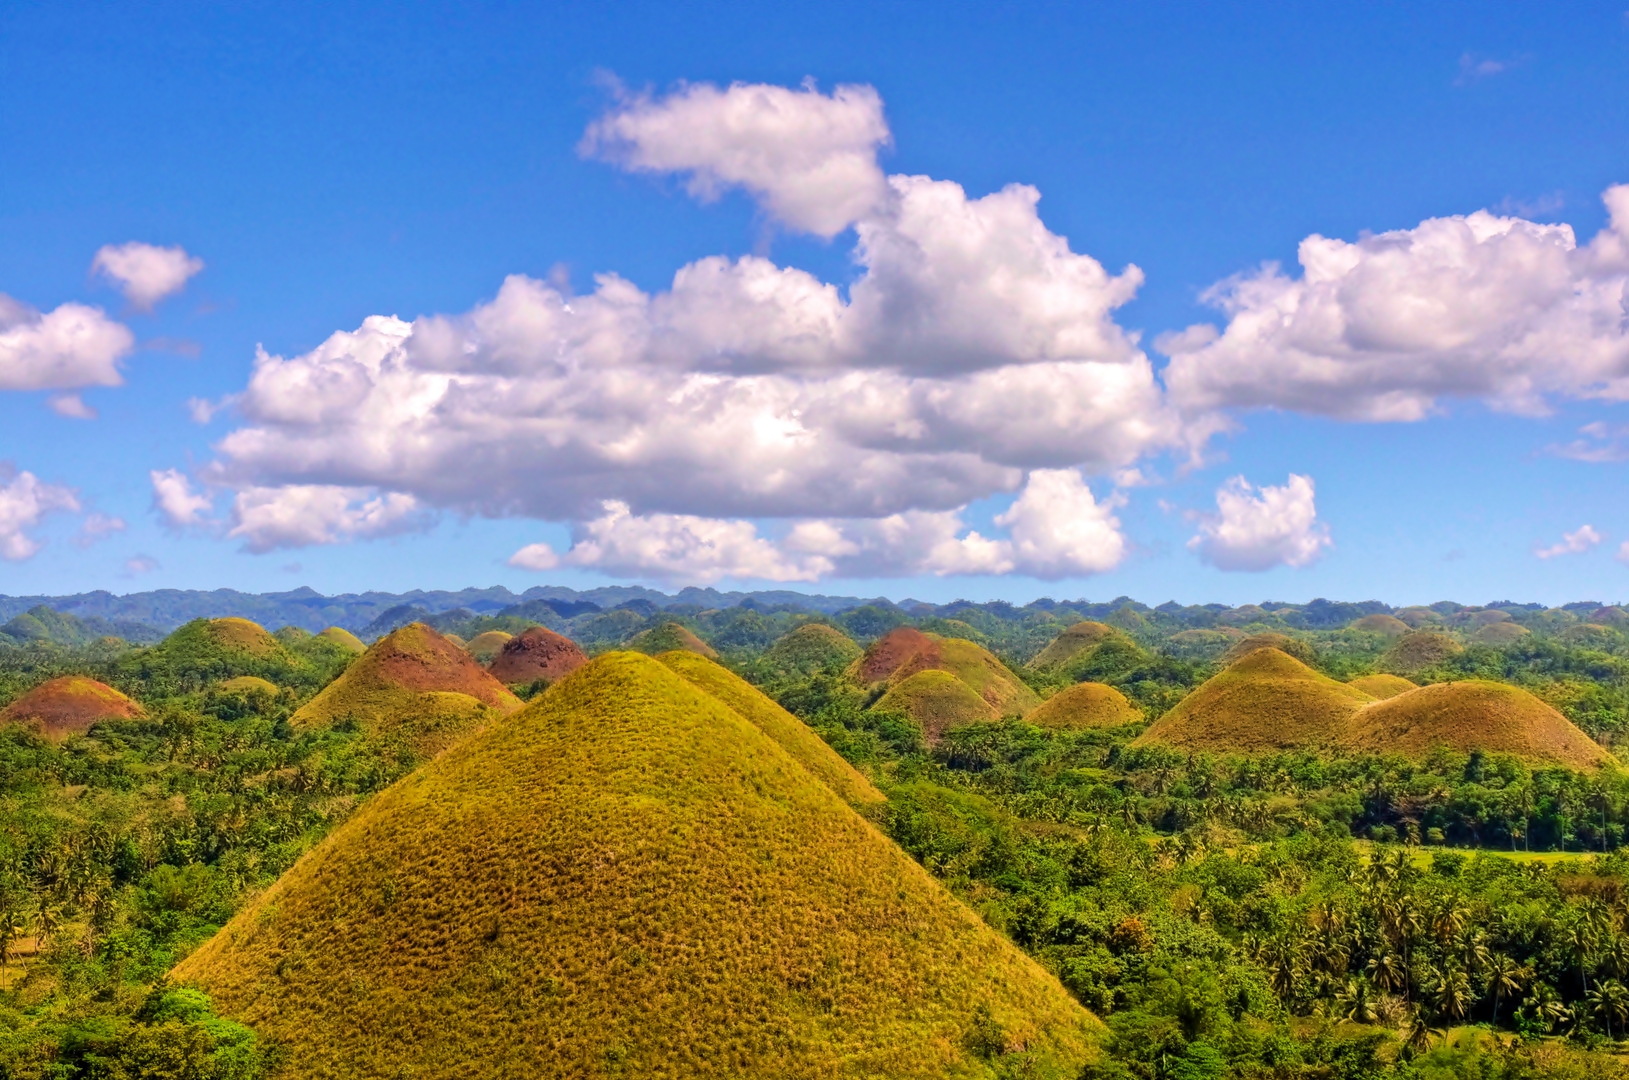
(1356, 1003)
(1505, 976)
(1609, 1001)
(1579, 944)
(1452, 993)
(1418, 1033)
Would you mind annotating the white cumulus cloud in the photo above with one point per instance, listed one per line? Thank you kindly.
(1574, 543)
(1259, 529)
(809, 158)
(145, 273)
(175, 499)
(1059, 530)
(300, 515)
(25, 500)
(1484, 307)
(66, 348)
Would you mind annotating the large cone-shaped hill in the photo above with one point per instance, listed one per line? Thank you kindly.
(1267, 701)
(1071, 642)
(904, 652)
(68, 706)
(413, 686)
(811, 648)
(537, 653)
(241, 635)
(1084, 705)
(1415, 652)
(1472, 715)
(667, 636)
(937, 701)
(344, 639)
(630, 879)
(1285, 644)
(1385, 625)
(794, 736)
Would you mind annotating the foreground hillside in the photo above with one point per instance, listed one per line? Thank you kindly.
(628, 878)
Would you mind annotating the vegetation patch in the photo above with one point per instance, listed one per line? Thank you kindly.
(68, 706)
(1473, 715)
(1085, 705)
(629, 878)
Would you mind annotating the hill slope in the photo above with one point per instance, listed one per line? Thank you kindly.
(485, 647)
(537, 653)
(793, 735)
(412, 685)
(904, 652)
(1473, 715)
(667, 636)
(937, 701)
(1070, 642)
(627, 879)
(1084, 705)
(811, 648)
(344, 639)
(1267, 701)
(1417, 651)
(1382, 686)
(68, 706)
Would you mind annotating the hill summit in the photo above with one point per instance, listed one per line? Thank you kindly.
(537, 653)
(68, 706)
(412, 686)
(628, 878)
(905, 652)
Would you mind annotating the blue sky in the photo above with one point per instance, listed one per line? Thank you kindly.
(335, 162)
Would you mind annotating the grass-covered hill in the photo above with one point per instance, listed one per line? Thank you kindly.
(412, 688)
(1266, 701)
(1085, 705)
(628, 878)
(1419, 651)
(68, 705)
(906, 652)
(811, 648)
(208, 651)
(344, 639)
(1070, 643)
(536, 653)
(934, 701)
(486, 645)
(1381, 685)
(668, 636)
(1472, 715)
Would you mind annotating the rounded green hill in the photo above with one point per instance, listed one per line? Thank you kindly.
(248, 684)
(344, 639)
(1282, 642)
(1084, 705)
(414, 688)
(937, 701)
(1499, 633)
(1385, 625)
(1071, 642)
(811, 648)
(904, 652)
(667, 636)
(1265, 702)
(486, 646)
(627, 878)
(1473, 715)
(1413, 653)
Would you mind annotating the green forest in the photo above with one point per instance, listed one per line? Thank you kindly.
(1287, 914)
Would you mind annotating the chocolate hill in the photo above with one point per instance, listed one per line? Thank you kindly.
(68, 706)
(667, 636)
(486, 646)
(904, 652)
(811, 648)
(1473, 715)
(627, 878)
(1071, 642)
(537, 653)
(413, 686)
(1084, 705)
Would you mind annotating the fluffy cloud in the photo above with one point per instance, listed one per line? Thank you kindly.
(975, 349)
(24, 502)
(66, 348)
(1493, 308)
(1261, 529)
(809, 158)
(145, 273)
(174, 499)
(1572, 543)
(1056, 529)
(1600, 443)
(299, 515)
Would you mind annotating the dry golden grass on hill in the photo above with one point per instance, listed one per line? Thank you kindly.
(1071, 642)
(1385, 625)
(1382, 686)
(1415, 652)
(68, 706)
(1499, 633)
(243, 636)
(626, 879)
(486, 647)
(937, 701)
(665, 637)
(1285, 644)
(1472, 715)
(1084, 705)
(792, 734)
(813, 647)
(413, 687)
(537, 653)
(247, 684)
(344, 639)
(1267, 701)
(903, 653)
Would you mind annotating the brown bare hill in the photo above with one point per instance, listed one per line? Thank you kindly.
(667, 636)
(485, 647)
(68, 706)
(412, 687)
(626, 879)
(537, 653)
(905, 652)
(1084, 705)
(1269, 640)
(1071, 642)
(1413, 653)
(1499, 633)
(344, 639)
(793, 735)
(1382, 686)
(1265, 702)
(937, 701)
(1385, 625)
(1473, 715)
